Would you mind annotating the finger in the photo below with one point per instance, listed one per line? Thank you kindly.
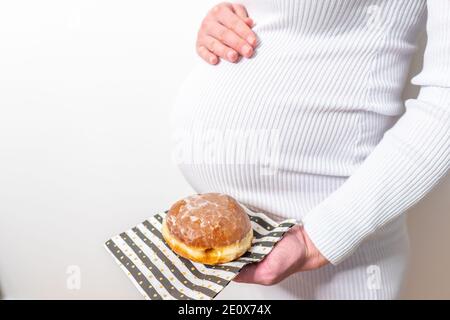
(247, 274)
(249, 22)
(258, 273)
(242, 13)
(206, 55)
(229, 19)
(240, 10)
(219, 49)
(231, 39)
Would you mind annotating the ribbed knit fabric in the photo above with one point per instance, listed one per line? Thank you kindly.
(326, 84)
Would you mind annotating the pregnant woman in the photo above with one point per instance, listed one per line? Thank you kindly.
(313, 88)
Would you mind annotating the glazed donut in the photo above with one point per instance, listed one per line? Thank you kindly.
(210, 228)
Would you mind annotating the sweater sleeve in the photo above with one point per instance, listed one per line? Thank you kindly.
(408, 162)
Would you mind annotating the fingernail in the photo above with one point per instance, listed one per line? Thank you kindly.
(231, 55)
(251, 40)
(247, 50)
(213, 60)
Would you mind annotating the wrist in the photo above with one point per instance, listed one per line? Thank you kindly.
(313, 257)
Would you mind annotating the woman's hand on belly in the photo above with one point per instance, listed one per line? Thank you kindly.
(226, 33)
(294, 253)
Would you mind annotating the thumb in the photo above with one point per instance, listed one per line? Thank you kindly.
(249, 22)
(242, 13)
(247, 273)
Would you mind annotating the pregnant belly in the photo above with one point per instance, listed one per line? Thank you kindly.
(272, 114)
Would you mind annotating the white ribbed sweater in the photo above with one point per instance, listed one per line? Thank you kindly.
(328, 77)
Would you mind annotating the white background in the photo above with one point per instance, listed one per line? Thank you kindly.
(86, 88)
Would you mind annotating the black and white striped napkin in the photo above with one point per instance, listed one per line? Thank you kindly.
(161, 274)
